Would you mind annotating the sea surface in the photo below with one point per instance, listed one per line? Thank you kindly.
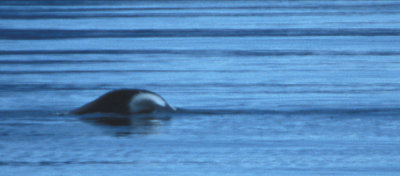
(274, 87)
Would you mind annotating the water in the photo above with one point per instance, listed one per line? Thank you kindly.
(266, 87)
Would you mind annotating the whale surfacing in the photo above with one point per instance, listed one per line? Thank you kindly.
(126, 101)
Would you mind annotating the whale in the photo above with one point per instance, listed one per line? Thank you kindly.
(126, 101)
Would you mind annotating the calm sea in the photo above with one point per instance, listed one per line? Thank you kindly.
(266, 87)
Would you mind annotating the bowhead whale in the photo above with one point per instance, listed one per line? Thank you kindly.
(126, 101)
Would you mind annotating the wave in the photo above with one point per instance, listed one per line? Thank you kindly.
(322, 111)
(188, 112)
(180, 15)
(288, 89)
(311, 87)
(60, 163)
(30, 62)
(391, 5)
(43, 34)
(185, 52)
(117, 71)
(69, 61)
(57, 3)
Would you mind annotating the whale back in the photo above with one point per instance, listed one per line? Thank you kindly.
(125, 101)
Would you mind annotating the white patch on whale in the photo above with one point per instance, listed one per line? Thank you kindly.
(147, 102)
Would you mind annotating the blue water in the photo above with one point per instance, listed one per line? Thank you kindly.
(265, 87)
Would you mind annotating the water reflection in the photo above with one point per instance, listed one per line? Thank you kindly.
(128, 125)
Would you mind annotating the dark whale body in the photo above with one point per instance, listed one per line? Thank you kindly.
(125, 101)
